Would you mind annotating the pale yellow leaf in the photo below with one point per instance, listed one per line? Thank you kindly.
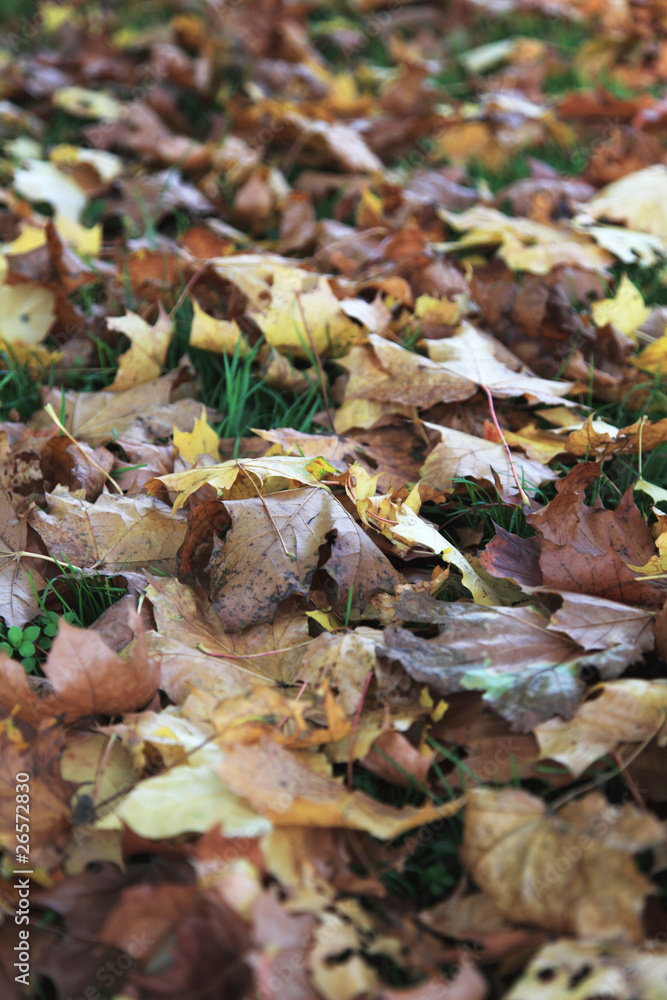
(144, 359)
(201, 440)
(626, 310)
(27, 312)
(221, 336)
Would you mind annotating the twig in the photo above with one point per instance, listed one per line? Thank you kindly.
(524, 499)
(181, 297)
(23, 553)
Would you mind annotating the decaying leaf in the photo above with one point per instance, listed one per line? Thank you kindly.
(84, 677)
(569, 871)
(18, 580)
(291, 794)
(527, 662)
(625, 711)
(274, 547)
(113, 533)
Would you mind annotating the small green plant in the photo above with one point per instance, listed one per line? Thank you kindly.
(31, 643)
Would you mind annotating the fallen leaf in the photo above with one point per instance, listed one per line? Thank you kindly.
(47, 814)
(476, 356)
(18, 581)
(636, 200)
(525, 245)
(291, 794)
(388, 373)
(294, 309)
(112, 534)
(84, 677)
(201, 440)
(185, 800)
(27, 313)
(270, 474)
(626, 310)
(583, 969)
(569, 871)
(589, 549)
(625, 711)
(43, 181)
(140, 413)
(273, 549)
(461, 455)
(653, 357)
(221, 336)
(195, 652)
(522, 658)
(145, 358)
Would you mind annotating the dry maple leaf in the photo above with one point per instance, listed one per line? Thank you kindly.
(291, 794)
(294, 308)
(144, 359)
(201, 440)
(570, 871)
(580, 549)
(28, 313)
(142, 413)
(609, 440)
(464, 455)
(521, 657)
(18, 582)
(523, 244)
(220, 336)
(272, 551)
(625, 711)
(479, 358)
(195, 651)
(249, 475)
(409, 534)
(638, 200)
(185, 799)
(390, 374)
(114, 533)
(83, 677)
(590, 549)
(344, 661)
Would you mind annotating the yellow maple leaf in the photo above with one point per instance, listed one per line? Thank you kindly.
(144, 359)
(221, 336)
(654, 356)
(270, 475)
(201, 440)
(626, 310)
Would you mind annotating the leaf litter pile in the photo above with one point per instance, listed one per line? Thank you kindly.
(333, 543)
